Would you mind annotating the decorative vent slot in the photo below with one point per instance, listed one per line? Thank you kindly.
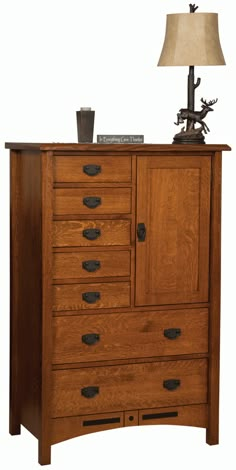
(170, 414)
(98, 422)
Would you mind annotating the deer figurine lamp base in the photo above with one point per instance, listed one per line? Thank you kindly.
(190, 134)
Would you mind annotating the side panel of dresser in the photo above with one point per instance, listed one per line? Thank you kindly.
(25, 328)
(30, 296)
(212, 435)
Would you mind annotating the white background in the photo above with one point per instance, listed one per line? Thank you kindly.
(58, 55)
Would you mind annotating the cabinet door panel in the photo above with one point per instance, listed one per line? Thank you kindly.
(173, 201)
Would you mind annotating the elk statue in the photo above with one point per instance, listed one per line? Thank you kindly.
(196, 116)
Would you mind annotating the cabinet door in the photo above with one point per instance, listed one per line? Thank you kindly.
(173, 201)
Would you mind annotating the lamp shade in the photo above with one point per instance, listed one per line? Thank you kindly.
(192, 39)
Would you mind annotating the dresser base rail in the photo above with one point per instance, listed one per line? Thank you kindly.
(73, 426)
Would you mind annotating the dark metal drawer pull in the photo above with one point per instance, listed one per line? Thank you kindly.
(90, 392)
(170, 414)
(91, 338)
(92, 170)
(171, 384)
(141, 232)
(97, 422)
(91, 233)
(91, 265)
(91, 297)
(92, 202)
(172, 333)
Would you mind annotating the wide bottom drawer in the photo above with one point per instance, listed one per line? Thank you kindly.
(126, 387)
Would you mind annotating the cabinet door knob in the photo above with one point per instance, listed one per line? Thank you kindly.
(171, 384)
(91, 338)
(91, 265)
(89, 392)
(141, 232)
(172, 333)
(91, 297)
(92, 170)
(92, 202)
(91, 233)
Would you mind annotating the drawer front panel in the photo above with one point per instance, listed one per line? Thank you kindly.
(91, 264)
(91, 296)
(127, 387)
(129, 335)
(91, 233)
(92, 201)
(92, 169)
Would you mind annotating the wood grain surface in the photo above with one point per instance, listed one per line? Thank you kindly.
(119, 148)
(129, 335)
(212, 436)
(113, 169)
(70, 265)
(66, 428)
(173, 201)
(70, 233)
(113, 201)
(112, 294)
(130, 386)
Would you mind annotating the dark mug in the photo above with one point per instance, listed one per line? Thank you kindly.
(85, 124)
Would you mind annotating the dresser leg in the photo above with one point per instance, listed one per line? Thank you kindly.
(14, 426)
(212, 436)
(44, 451)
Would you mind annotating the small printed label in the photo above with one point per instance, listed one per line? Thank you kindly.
(120, 139)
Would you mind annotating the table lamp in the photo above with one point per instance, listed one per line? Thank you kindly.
(192, 39)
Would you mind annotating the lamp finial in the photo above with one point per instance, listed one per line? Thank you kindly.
(192, 7)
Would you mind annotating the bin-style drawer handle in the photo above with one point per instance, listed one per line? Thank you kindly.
(172, 333)
(92, 170)
(171, 384)
(91, 265)
(91, 233)
(92, 202)
(91, 338)
(91, 297)
(89, 392)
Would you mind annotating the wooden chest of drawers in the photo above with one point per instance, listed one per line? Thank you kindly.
(115, 288)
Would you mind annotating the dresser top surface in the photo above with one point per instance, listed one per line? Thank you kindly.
(116, 147)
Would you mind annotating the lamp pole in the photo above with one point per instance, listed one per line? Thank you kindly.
(191, 85)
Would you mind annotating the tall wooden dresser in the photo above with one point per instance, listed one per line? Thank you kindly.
(115, 288)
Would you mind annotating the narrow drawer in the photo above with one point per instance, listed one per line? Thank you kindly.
(92, 169)
(100, 337)
(92, 201)
(91, 296)
(91, 264)
(91, 233)
(127, 387)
